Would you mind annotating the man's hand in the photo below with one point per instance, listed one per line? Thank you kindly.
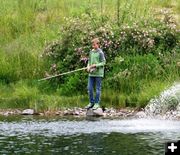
(93, 66)
(88, 68)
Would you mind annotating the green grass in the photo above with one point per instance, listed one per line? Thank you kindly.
(148, 91)
(43, 17)
(24, 95)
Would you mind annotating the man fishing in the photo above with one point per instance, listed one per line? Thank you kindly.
(95, 68)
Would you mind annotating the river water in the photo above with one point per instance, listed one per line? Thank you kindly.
(85, 136)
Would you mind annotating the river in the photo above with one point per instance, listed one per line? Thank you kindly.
(85, 136)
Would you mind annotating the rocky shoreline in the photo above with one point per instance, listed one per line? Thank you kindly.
(80, 112)
(108, 112)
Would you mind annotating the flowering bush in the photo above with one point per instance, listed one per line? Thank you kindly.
(72, 49)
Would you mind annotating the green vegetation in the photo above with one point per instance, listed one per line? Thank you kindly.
(47, 37)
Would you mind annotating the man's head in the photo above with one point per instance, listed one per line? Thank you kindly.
(95, 43)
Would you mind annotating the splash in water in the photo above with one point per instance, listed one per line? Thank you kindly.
(167, 104)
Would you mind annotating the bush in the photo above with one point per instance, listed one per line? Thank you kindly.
(144, 41)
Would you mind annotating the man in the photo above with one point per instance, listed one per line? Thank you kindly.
(95, 67)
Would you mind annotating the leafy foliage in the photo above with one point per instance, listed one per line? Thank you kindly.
(141, 44)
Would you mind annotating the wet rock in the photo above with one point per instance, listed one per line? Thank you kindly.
(68, 112)
(82, 113)
(48, 113)
(6, 113)
(57, 113)
(130, 114)
(28, 112)
(18, 111)
(10, 112)
(41, 114)
(76, 113)
(141, 114)
(110, 111)
(97, 112)
(120, 114)
(89, 112)
(178, 115)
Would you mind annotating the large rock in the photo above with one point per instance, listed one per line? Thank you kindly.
(28, 112)
(97, 112)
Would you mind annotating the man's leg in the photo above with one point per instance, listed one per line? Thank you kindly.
(98, 91)
(91, 81)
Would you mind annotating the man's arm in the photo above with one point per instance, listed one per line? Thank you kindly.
(102, 60)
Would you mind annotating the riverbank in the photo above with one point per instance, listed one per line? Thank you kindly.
(81, 112)
(76, 111)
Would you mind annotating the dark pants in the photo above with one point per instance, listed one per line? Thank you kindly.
(92, 81)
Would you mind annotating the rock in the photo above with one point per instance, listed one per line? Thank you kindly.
(57, 113)
(41, 114)
(89, 112)
(178, 115)
(6, 114)
(130, 114)
(82, 113)
(97, 112)
(68, 112)
(120, 114)
(76, 113)
(18, 111)
(141, 114)
(28, 112)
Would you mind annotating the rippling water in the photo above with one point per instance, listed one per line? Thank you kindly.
(81, 136)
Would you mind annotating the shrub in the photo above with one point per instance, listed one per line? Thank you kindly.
(143, 39)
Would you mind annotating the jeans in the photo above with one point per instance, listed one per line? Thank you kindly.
(91, 82)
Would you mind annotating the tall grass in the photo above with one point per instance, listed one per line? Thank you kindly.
(26, 26)
(25, 94)
(19, 65)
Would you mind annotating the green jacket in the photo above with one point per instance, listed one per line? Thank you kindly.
(97, 57)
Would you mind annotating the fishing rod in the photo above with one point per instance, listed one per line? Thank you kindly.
(120, 59)
(50, 77)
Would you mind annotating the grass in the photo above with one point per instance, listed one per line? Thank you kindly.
(25, 94)
(44, 16)
(22, 95)
(25, 28)
(120, 99)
